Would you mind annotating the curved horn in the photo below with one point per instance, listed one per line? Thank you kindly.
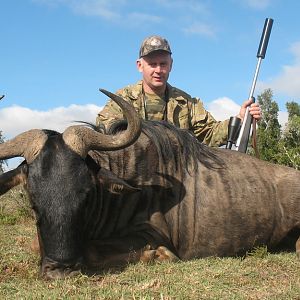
(83, 139)
(27, 144)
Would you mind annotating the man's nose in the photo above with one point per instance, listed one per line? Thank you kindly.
(158, 69)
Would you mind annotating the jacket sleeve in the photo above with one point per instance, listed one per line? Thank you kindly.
(205, 127)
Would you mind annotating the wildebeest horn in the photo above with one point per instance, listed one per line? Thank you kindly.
(83, 139)
(27, 144)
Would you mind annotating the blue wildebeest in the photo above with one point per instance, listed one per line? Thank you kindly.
(151, 192)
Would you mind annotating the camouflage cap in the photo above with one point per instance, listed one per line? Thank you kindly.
(154, 43)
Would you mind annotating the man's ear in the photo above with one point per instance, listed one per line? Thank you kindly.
(139, 65)
(113, 183)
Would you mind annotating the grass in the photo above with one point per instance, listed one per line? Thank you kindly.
(258, 275)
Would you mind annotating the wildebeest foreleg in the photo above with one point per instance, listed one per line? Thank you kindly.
(115, 252)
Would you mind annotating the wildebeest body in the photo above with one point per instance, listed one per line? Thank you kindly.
(207, 202)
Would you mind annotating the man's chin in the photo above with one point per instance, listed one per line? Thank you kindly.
(159, 83)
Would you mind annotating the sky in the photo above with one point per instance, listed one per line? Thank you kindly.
(56, 54)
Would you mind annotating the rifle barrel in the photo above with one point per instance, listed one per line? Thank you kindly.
(243, 138)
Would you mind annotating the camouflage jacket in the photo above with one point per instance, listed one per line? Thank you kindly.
(183, 111)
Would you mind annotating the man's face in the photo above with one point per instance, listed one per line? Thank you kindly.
(155, 68)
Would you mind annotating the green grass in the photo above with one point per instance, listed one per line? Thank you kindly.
(259, 275)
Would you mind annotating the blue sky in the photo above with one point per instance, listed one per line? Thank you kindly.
(56, 54)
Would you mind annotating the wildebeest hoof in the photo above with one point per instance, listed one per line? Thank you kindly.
(148, 254)
(160, 254)
(164, 254)
(58, 274)
(51, 270)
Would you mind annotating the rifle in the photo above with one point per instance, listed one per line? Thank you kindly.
(1, 97)
(241, 141)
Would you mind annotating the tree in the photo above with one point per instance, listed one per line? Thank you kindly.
(278, 145)
(290, 140)
(293, 109)
(269, 129)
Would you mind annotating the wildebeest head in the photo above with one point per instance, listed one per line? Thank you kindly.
(60, 184)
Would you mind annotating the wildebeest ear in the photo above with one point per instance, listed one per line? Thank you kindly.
(113, 183)
(13, 178)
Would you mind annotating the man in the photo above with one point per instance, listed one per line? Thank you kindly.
(155, 99)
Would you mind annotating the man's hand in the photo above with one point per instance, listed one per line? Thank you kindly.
(254, 110)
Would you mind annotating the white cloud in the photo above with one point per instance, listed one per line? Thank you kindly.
(193, 5)
(287, 81)
(199, 28)
(139, 18)
(17, 119)
(98, 8)
(223, 108)
(256, 4)
(133, 14)
(113, 11)
(283, 118)
(48, 2)
(295, 49)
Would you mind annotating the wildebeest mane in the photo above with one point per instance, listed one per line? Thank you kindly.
(174, 143)
(50, 132)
